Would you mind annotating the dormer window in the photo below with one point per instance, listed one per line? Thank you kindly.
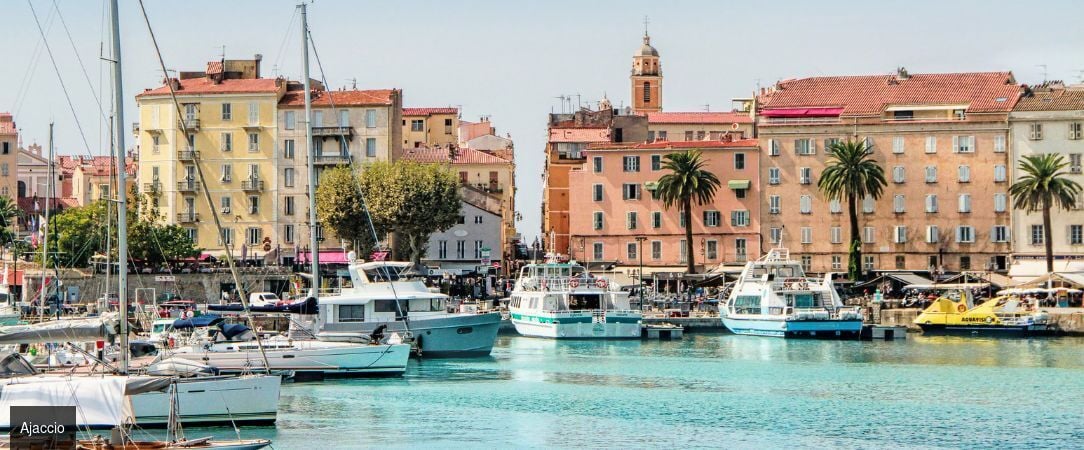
(903, 115)
(959, 114)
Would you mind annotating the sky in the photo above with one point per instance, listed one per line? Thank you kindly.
(510, 60)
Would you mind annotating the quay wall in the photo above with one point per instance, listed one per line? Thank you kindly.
(201, 287)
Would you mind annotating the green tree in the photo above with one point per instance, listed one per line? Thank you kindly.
(9, 211)
(686, 182)
(340, 207)
(76, 234)
(852, 174)
(1043, 187)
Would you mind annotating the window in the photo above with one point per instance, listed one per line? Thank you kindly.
(598, 220)
(288, 149)
(155, 142)
(630, 191)
(933, 234)
(999, 173)
(836, 235)
(898, 174)
(1036, 132)
(370, 118)
(807, 263)
(829, 143)
(597, 161)
(227, 142)
(596, 192)
(193, 234)
(965, 234)
(630, 251)
(804, 147)
(631, 163)
(226, 204)
(656, 219)
(344, 147)
(253, 113)
(711, 218)
(773, 147)
(226, 237)
(1074, 163)
(897, 145)
(656, 250)
(835, 206)
(775, 235)
(191, 112)
(807, 235)
(700, 135)
(931, 144)
(868, 141)
(739, 193)
(631, 221)
(191, 142)
(964, 174)
(253, 204)
(931, 203)
(647, 92)
(711, 249)
(837, 262)
(1074, 131)
(460, 249)
(899, 234)
(447, 126)
(965, 203)
(227, 173)
(869, 235)
(739, 218)
(963, 144)
(442, 249)
(288, 176)
(682, 251)
(867, 263)
(478, 249)
(898, 203)
(805, 175)
(597, 250)
(662, 135)
(253, 235)
(253, 142)
(901, 262)
(1000, 202)
(1076, 234)
(370, 147)
(931, 174)
(227, 111)
(288, 205)
(773, 204)
(999, 144)
(740, 249)
(656, 162)
(290, 119)
(739, 161)
(805, 204)
(867, 204)
(417, 125)
(689, 135)
(1000, 233)
(1037, 235)
(965, 262)
(773, 175)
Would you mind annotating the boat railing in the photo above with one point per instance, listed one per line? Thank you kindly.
(543, 284)
(796, 284)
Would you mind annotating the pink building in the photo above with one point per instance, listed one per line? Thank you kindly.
(612, 202)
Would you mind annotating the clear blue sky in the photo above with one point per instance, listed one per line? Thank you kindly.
(510, 59)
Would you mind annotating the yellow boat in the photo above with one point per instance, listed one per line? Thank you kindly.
(954, 312)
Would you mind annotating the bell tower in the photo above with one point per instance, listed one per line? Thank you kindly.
(646, 78)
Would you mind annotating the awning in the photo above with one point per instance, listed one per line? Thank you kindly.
(1026, 269)
(801, 112)
(1075, 280)
(925, 107)
(738, 184)
(326, 257)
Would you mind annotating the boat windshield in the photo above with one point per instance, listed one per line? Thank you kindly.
(776, 271)
(161, 327)
(382, 274)
(584, 301)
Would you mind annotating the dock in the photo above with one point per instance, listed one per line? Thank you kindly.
(662, 331)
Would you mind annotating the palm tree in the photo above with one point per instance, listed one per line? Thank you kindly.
(1042, 187)
(8, 212)
(687, 181)
(852, 174)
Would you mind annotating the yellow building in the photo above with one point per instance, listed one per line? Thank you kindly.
(229, 113)
(93, 177)
(9, 155)
(430, 127)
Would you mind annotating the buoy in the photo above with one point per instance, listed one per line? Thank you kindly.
(961, 307)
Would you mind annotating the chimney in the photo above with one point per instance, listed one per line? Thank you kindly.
(258, 58)
(901, 73)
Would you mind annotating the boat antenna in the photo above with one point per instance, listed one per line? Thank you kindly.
(199, 173)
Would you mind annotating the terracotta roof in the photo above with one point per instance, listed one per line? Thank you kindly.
(7, 124)
(699, 117)
(743, 143)
(442, 155)
(340, 98)
(27, 203)
(104, 165)
(195, 86)
(870, 94)
(429, 111)
(68, 163)
(1045, 99)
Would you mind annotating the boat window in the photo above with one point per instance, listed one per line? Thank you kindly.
(426, 304)
(388, 306)
(381, 273)
(577, 302)
(351, 313)
(464, 330)
(803, 301)
(747, 304)
(160, 327)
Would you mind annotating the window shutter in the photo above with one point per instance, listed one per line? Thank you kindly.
(812, 146)
(974, 144)
(959, 234)
(929, 144)
(955, 144)
(797, 150)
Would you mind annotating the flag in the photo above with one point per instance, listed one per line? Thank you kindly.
(378, 255)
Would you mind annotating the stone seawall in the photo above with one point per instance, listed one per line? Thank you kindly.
(202, 287)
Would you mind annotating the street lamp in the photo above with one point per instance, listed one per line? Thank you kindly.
(640, 241)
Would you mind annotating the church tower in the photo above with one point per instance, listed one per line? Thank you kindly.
(646, 79)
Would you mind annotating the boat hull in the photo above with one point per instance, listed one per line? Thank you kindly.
(312, 362)
(581, 327)
(815, 329)
(451, 336)
(1002, 330)
(250, 400)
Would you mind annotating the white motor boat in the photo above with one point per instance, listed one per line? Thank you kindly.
(564, 301)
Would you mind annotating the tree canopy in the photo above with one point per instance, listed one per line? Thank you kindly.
(852, 174)
(687, 181)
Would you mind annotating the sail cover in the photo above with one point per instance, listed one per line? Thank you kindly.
(99, 401)
(64, 330)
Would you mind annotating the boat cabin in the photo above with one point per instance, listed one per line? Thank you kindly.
(372, 297)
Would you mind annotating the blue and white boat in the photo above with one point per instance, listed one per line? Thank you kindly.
(773, 297)
(564, 301)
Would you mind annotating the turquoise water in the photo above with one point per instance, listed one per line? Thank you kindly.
(709, 390)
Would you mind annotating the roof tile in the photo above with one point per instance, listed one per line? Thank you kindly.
(429, 111)
(195, 86)
(443, 155)
(341, 98)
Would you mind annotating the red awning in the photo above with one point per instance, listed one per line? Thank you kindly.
(801, 112)
(326, 257)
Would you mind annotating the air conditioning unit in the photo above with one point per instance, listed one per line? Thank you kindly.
(226, 210)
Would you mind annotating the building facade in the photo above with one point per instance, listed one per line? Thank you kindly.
(699, 126)
(942, 142)
(1048, 119)
(430, 127)
(474, 241)
(94, 179)
(9, 156)
(614, 201)
(33, 176)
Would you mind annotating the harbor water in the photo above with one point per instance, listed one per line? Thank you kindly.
(706, 391)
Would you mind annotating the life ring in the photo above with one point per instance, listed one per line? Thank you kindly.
(961, 307)
(573, 283)
(600, 283)
(989, 319)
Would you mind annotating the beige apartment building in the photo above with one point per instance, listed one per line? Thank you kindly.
(9, 156)
(430, 127)
(699, 126)
(93, 179)
(942, 140)
(1048, 118)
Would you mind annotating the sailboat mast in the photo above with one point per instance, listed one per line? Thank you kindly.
(314, 244)
(122, 196)
(45, 231)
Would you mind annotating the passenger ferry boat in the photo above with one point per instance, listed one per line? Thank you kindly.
(564, 301)
(954, 312)
(773, 297)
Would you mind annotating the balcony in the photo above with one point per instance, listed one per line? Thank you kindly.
(333, 132)
(188, 187)
(190, 123)
(154, 186)
(252, 185)
(188, 217)
(187, 155)
(332, 159)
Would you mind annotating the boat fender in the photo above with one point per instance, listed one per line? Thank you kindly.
(961, 307)
(573, 283)
(600, 283)
(172, 342)
(989, 319)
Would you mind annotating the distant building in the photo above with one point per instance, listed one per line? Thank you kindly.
(646, 79)
(474, 241)
(430, 127)
(9, 156)
(94, 179)
(1048, 118)
(698, 126)
(34, 173)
